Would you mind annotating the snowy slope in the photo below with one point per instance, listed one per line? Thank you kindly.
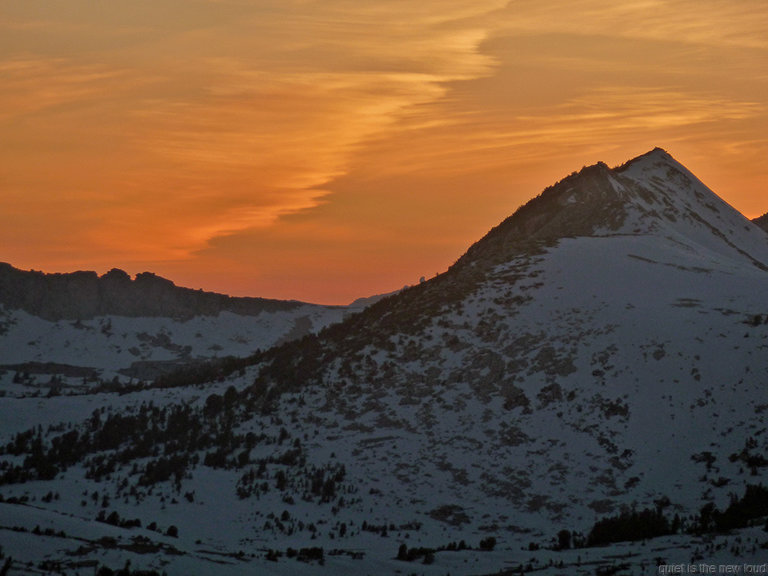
(603, 349)
(144, 347)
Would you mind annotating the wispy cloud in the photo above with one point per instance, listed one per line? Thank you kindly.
(33, 85)
(715, 22)
(225, 124)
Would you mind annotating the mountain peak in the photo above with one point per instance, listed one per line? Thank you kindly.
(650, 194)
(656, 156)
(657, 163)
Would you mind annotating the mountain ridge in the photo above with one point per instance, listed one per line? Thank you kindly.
(584, 203)
(493, 324)
(103, 326)
(591, 370)
(84, 295)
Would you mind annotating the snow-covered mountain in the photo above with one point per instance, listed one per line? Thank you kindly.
(93, 327)
(593, 370)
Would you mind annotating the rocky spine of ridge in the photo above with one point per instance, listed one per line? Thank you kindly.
(85, 295)
(578, 205)
(591, 201)
(762, 221)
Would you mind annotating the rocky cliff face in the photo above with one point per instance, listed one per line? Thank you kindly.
(85, 295)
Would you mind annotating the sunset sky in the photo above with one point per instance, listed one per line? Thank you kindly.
(326, 150)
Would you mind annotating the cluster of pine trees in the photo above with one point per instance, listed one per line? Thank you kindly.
(633, 525)
(152, 444)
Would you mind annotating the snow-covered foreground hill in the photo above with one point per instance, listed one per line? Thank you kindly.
(592, 371)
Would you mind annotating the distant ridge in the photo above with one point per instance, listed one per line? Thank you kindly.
(85, 295)
(365, 301)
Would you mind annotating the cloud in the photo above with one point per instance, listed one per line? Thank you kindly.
(218, 123)
(33, 85)
(715, 22)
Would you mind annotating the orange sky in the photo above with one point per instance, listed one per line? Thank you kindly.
(325, 150)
